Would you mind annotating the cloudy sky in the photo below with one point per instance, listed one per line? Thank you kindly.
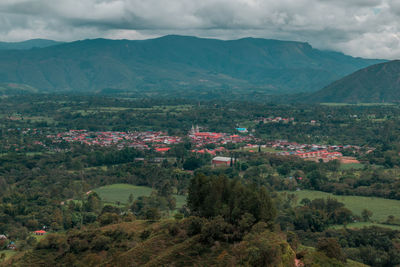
(367, 28)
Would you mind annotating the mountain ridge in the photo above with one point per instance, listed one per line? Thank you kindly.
(28, 44)
(177, 64)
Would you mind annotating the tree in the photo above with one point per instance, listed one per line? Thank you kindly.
(192, 163)
(152, 214)
(284, 169)
(131, 198)
(93, 203)
(366, 215)
(316, 179)
(212, 196)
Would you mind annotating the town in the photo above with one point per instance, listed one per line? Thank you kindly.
(208, 142)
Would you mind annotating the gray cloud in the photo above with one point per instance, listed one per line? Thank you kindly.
(368, 28)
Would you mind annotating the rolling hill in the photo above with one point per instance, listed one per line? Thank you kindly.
(375, 84)
(166, 243)
(11, 88)
(178, 66)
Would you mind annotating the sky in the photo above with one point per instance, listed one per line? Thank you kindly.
(365, 28)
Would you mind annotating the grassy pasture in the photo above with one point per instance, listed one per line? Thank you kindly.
(380, 207)
(358, 225)
(120, 192)
(39, 119)
(351, 166)
(168, 108)
(358, 104)
(88, 111)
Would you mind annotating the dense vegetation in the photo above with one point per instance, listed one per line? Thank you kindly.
(234, 215)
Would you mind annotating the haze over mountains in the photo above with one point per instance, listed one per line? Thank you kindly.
(29, 44)
(176, 65)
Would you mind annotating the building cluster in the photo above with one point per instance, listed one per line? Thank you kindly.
(209, 151)
(203, 142)
(317, 155)
(159, 141)
(223, 161)
(139, 140)
(201, 139)
(274, 119)
(314, 152)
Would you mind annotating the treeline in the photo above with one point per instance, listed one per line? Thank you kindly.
(371, 245)
(292, 173)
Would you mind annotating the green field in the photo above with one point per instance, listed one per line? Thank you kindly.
(168, 108)
(358, 104)
(380, 207)
(351, 166)
(358, 225)
(120, 192)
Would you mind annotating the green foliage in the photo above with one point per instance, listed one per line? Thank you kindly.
(331, 248)
(265, 249)
(366, 215)
(150, 208)
(212, 196)
(374, 246)
(379, 207)
(192, 163)
(108, 218)
(37, 183)
(159, 244)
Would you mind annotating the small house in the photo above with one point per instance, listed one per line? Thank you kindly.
(40, 232)
(222, 161)
(162, 149)
(242, 130)
(12, 246)
(3, 237)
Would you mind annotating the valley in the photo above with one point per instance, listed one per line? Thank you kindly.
(140, 175)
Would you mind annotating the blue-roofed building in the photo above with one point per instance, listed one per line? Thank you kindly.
(242, 130)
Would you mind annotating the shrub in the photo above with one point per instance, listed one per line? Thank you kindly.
(331, 248)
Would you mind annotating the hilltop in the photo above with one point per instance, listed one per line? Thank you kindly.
(178, 66)
(374, 84)
(162, 243)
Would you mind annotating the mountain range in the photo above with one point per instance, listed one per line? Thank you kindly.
(29, 44)
(175, 66)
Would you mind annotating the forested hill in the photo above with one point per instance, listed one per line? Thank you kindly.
(375, 84)
(29, 44)
(177, 65)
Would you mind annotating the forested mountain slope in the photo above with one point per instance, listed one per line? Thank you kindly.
(375, 84)
(177, 65)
